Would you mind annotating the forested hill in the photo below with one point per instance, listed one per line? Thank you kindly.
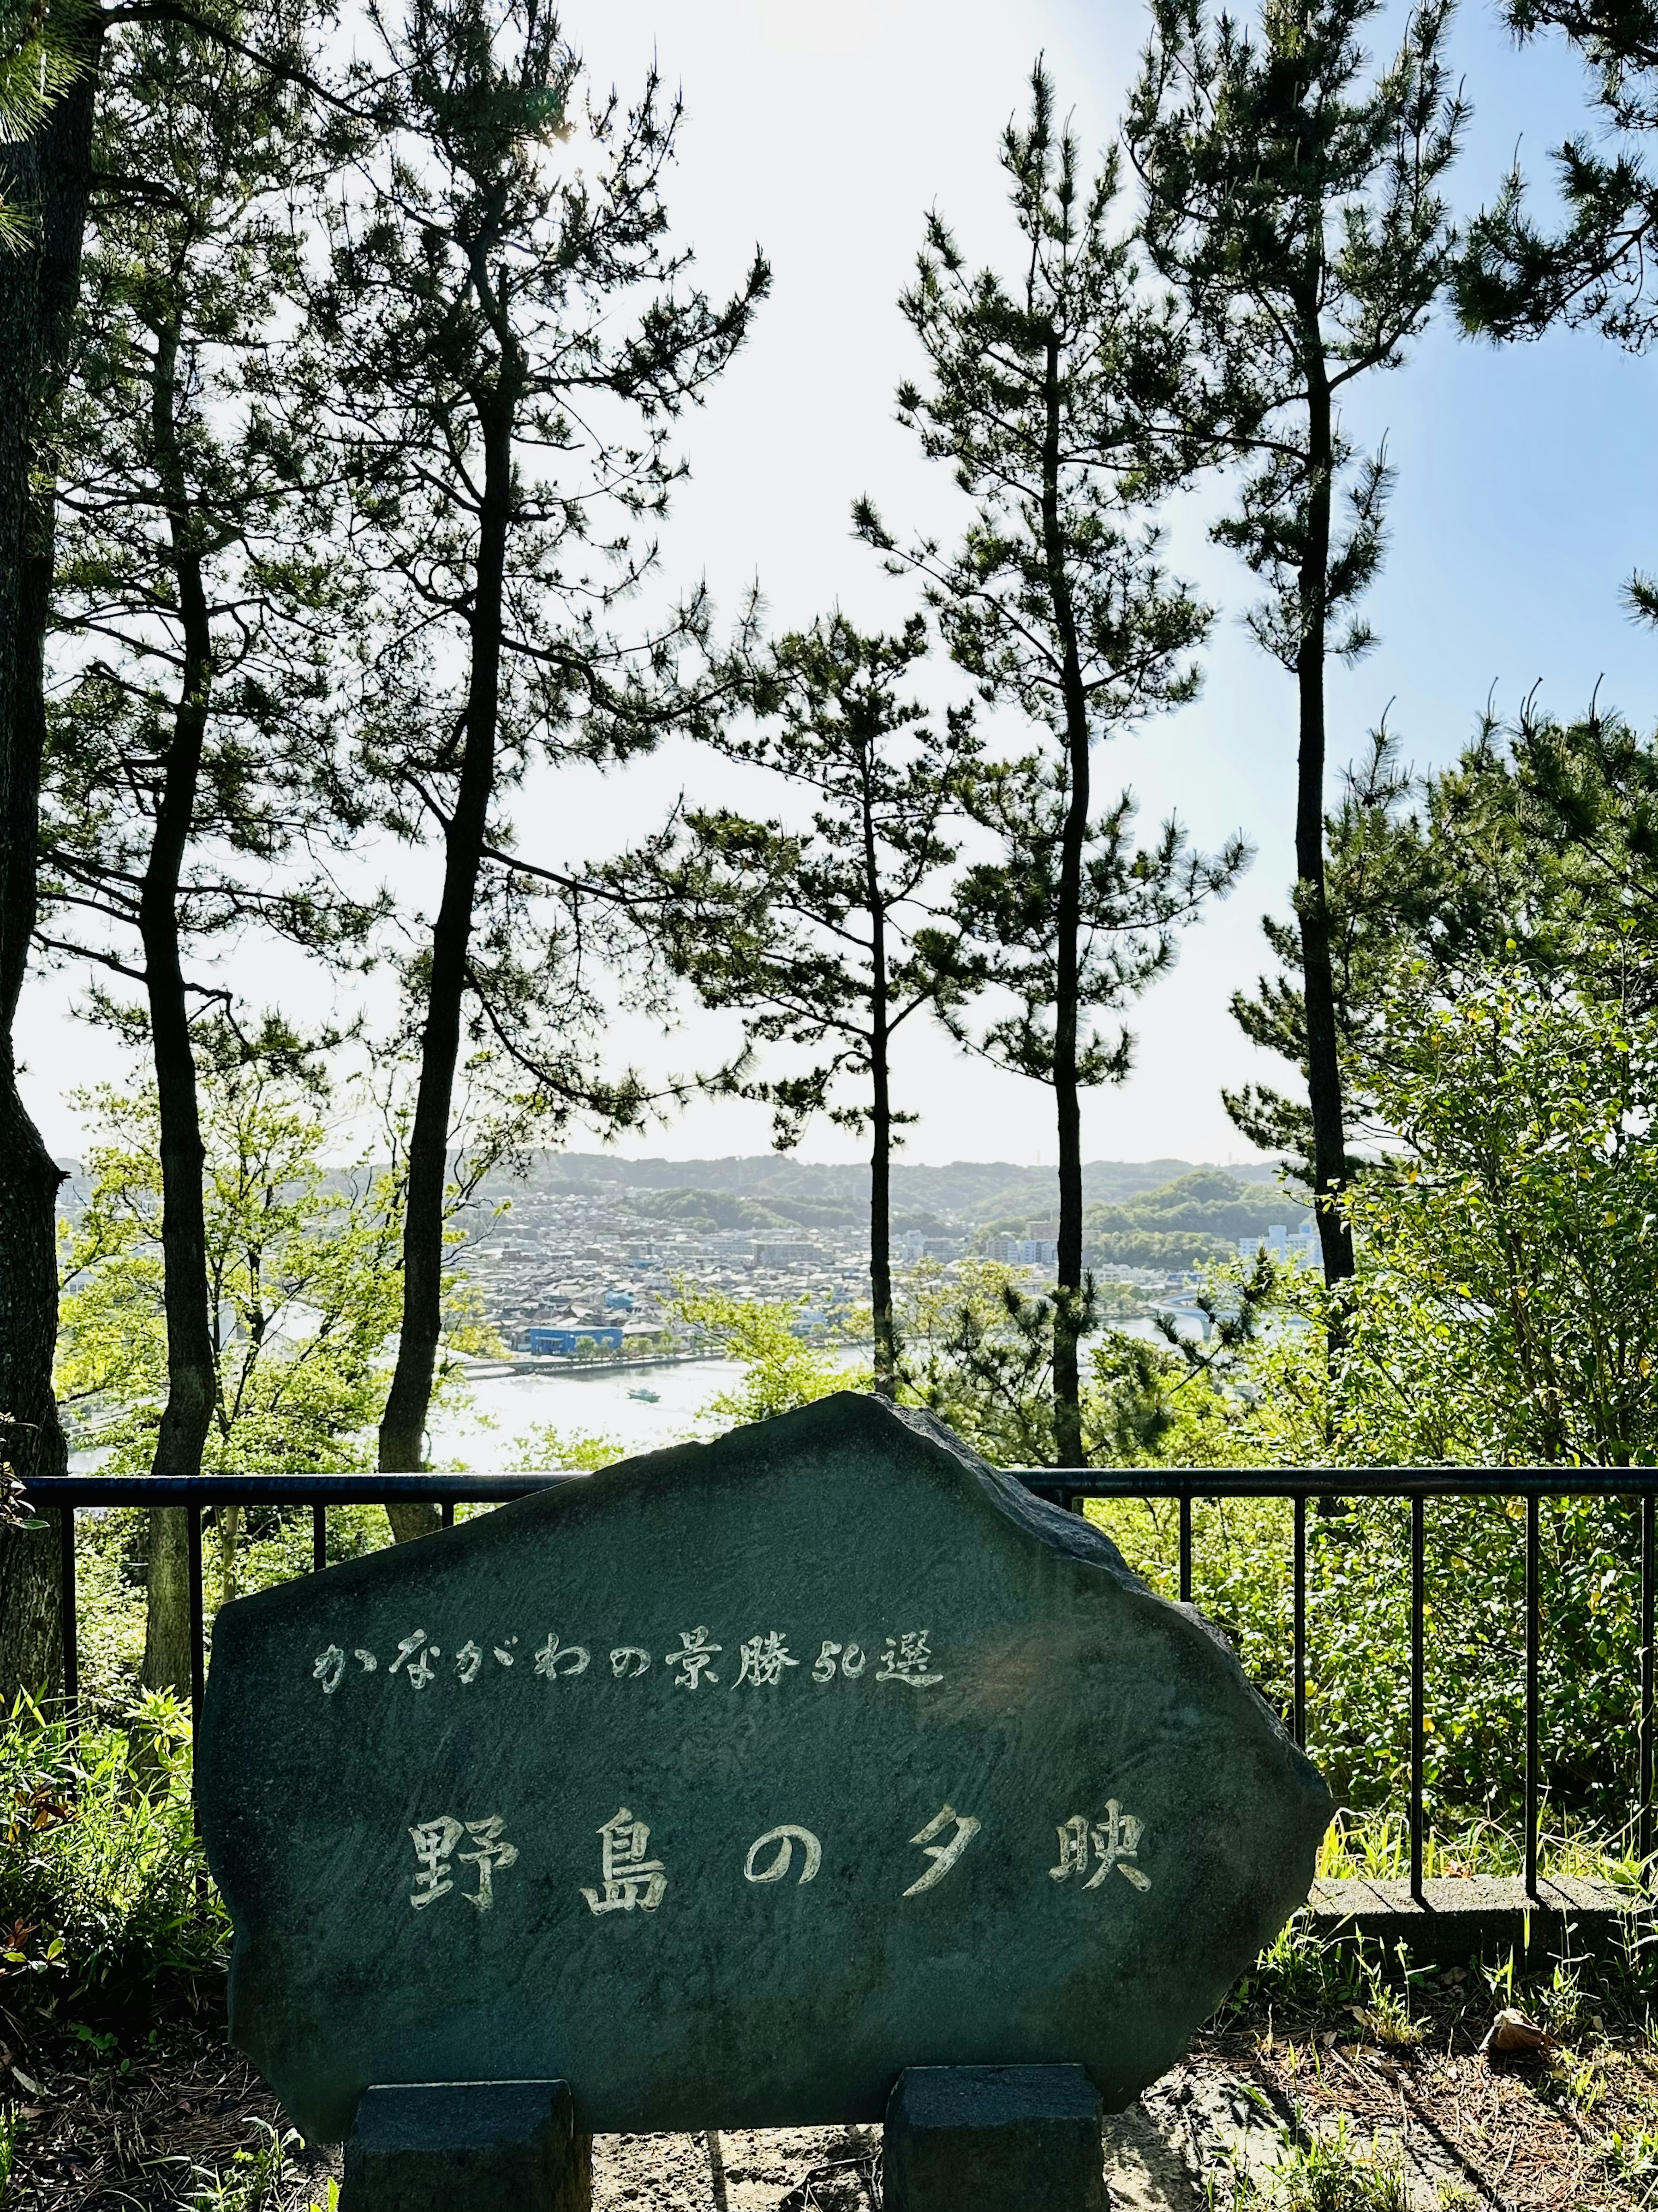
(966, 1194)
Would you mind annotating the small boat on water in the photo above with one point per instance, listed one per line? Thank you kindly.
(646, 1397)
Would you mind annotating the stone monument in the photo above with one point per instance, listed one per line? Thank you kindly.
(731, 1784)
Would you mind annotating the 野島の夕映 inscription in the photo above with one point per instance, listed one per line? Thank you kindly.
(763, 1661)
(631, 1880)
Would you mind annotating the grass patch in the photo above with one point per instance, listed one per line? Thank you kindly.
(103, 1885)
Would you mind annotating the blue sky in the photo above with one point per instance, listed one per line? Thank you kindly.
(1527, 488)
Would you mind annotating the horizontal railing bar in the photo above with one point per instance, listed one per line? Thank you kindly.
(1115, 1482)
(284, 1489)
(1345, 1482)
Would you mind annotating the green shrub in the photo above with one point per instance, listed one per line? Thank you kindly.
(1358, 1582)
(103, 1887)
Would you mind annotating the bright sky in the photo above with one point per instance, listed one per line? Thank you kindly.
(1528, 489)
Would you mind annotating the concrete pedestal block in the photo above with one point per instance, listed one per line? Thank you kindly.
(467, 2146)
(994, 2139)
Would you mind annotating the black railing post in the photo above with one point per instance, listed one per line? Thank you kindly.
(1186, 1547)
(1534, 1610)
(66, 1603)
(1419, 1714)
(197, 1628)
(447, 1513)
(1648, 1543)
(318, 1538)
(1299, 1692)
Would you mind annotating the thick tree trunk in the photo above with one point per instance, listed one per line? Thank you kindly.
(1067, 922)
(1318, 983)
(191, 1378)
(166, 1608)
(402, 1428)
(48, 174)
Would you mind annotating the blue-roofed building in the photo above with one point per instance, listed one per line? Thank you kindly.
(563, 1339)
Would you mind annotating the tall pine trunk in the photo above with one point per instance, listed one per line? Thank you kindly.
(191, 1378)
(880, 1159)
(48, 175)
(403, 1427)
(1068, 1273)
(1312, 909)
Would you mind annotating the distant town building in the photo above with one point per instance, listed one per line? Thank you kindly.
(787, 1256)
(1283, 1244)
(563, 1342)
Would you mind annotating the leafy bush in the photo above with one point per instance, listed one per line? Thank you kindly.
(103, 1887)
(1358, 1580)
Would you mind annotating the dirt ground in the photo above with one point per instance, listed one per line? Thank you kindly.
(170, 2120)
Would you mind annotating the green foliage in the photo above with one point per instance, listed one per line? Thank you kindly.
(826, 942)
(1056, 601)
(978, 1352)
(1516, 277)
(1196, 1218)
(505, 337)
(42, 52)
(102, 1882)
(1536, 851)
(1332, 2173)
(302, 1271)
(782, 1370)
(200, 613)
(1511, 1245)
(1296, 200)
(254, 2180)
(543, 1449)
(816, 943)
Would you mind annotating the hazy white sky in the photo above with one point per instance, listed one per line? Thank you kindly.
(1526, 493)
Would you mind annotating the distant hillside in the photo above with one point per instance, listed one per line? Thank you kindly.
(1195, 1217)
(967, 1193)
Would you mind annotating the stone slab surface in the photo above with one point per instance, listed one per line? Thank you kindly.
(728, 1784)
(994, 2139)
(1467, 1916)
(467, 2146)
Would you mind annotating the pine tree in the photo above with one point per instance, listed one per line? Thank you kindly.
(829, 940)
(50, 62)
(1042, 390)
(507, 345)
(1295, 203)
(1517, 279)
(189, 744)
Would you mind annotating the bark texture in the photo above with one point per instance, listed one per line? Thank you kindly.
(880, 1160)
(1318, 984)
(1068, 1273)
(48, 174)
(402, 1428)
(191, 1378)
(166, 1629)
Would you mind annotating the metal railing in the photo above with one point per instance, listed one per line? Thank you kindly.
(65, 1494)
